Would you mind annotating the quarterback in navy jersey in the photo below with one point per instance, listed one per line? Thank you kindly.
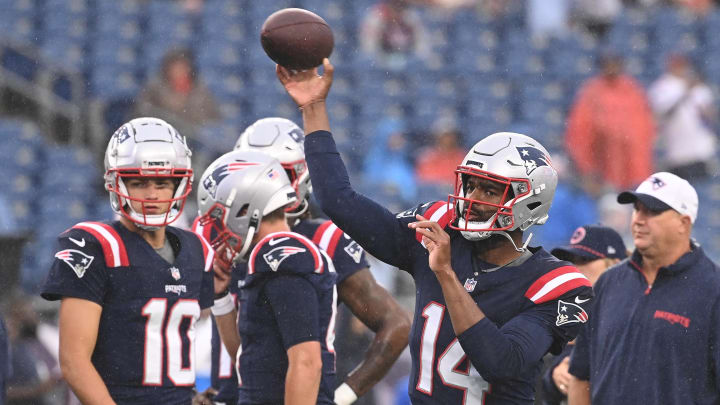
(372, 304)
(133, 289)
(283, 334)
(488, 307)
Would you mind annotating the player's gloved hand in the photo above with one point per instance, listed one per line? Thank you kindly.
(436, 241)
(205, 397)
(307, 87)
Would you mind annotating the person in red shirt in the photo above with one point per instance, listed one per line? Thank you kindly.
(611, 130)
(437, 162)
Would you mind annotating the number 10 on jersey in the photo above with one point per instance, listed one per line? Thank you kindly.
(156, 341)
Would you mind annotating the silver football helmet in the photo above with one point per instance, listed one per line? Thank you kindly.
(283, 140)
(147, 147)
(521, 169)
(236, 191)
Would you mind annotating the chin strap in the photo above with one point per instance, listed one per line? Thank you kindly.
(522, 249)
(254, 224)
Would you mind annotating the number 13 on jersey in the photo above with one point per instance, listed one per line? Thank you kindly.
(450, 359)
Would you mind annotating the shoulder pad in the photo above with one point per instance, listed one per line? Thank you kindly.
(105, 235)
(287, 252)
(438, 211)
(556, 283)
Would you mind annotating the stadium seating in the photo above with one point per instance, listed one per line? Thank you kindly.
(484, 71)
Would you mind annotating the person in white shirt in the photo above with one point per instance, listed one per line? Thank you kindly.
(684, 107)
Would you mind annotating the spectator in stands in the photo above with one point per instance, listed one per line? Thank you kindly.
(611, 130)
(655, 325)
(597, 15)
(592, 249)
(35, 372)
(393, 35)
(178, 94)
(387, 164)
(436, 164)
(684, 107)
(548, 18)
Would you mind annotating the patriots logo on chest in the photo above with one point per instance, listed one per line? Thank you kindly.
(276, 256)
(78, 261)
(532, 158)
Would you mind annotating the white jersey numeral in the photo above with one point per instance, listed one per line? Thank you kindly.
(330, 336)
(470, 381)
(156, 342)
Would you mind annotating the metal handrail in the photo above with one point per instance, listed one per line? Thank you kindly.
(40, 90)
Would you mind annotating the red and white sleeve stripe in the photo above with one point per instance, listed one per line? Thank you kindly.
(555, 284)
(438, 212)
(327, 237)
(112, 245)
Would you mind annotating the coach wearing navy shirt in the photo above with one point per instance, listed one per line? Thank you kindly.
(655, 333)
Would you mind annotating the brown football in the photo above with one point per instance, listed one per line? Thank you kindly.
(296, 38)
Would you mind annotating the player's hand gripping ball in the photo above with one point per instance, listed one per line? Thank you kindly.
(296, 39)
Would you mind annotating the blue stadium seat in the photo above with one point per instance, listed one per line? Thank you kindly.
(114, 82)
(220, 55)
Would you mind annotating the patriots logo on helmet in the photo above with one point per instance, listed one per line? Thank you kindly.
(297, 135)
(354, 250)
(122, 134)
(570, 313)
(276, 256)
(212, 181)
(533, 158)
(78, 261)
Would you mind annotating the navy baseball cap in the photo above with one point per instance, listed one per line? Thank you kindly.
(593, 242)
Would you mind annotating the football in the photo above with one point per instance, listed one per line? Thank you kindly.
(296, 39)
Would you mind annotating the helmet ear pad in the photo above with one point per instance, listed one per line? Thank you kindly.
(147, 148)
(526, 180)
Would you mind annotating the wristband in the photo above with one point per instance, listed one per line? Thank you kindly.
(223, 306)
(222, 294)
(344, 395)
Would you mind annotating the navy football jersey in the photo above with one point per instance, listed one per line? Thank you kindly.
(145, 350)
(288, 297)
(530, 308)
(347, 256)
